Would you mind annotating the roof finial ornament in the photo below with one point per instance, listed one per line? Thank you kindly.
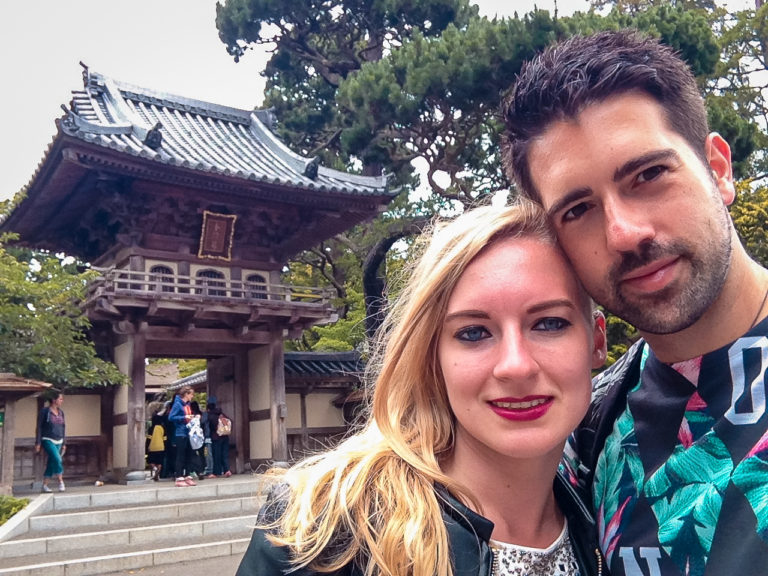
(86, 74)
(310, 169)
(154, 137)
(267, 117)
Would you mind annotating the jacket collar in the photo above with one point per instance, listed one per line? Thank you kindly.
(464, 516)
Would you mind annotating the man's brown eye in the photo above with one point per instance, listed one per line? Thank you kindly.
(575, 212)
(651, 173)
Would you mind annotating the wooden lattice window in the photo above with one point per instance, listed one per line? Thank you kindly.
(256, 285)
(161, 278)
(211, 282)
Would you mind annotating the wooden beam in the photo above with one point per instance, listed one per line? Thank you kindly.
(204, 335)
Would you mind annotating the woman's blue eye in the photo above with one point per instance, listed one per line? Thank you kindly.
(551, 324)
(472, 334)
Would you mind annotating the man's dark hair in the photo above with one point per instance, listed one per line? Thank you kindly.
(567, 77)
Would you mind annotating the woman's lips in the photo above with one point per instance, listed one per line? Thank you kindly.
(522, 409)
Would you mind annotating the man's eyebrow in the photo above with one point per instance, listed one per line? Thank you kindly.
(572, 196)
(649, 158)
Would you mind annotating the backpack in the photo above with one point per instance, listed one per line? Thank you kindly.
(196, 436)
(224, 427)
(157, 440)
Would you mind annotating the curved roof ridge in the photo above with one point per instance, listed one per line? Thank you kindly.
(170, 100)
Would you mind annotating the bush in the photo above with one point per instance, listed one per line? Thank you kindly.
(9, 506)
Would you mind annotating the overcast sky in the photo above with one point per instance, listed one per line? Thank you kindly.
(167, 45)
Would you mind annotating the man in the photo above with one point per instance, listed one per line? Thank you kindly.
(609, 133)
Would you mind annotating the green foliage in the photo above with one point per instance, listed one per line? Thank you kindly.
(620, 336)
(436, 98)
(43, 332)
(189, 366)
(9, 506)
(750, 217)
(348, 333)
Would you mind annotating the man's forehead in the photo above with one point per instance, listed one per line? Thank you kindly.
(595, 144)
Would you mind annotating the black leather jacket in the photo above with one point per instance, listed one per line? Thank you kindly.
(609, 396)
(468, 533)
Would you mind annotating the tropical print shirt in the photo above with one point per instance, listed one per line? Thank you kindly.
(681, 486)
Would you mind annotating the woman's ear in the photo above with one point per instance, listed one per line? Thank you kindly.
(599, 341)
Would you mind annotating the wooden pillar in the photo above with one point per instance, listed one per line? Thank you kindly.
(7, 437)
(106, 464)
(136, 424)
(278, 409)
(242, 426)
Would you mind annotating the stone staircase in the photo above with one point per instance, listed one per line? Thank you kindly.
(127, 528)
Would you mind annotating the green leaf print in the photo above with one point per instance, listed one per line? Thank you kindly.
(750, 477)
(686, 495)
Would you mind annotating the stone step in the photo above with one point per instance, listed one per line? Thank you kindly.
(123, 539)
(155, 493)
(126, 561)
(89, 531)
(107, 518)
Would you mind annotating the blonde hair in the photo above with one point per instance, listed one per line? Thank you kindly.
(371, 500)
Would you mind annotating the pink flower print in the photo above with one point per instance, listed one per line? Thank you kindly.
(761, 445)
(689, 369)
(684, 435)
(609, 535)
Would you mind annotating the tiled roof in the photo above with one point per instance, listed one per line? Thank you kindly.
(300, 364)
(322, 363)
(191, 380)
(199, 135)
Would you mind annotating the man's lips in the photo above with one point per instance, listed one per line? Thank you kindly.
(651, 277)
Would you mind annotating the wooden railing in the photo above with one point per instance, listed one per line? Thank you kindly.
(176, 287)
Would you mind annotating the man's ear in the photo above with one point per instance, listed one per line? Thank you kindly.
(599, 340)
(719, 158)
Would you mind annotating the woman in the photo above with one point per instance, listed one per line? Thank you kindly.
(482, 371)
(51, 428)
(180, 416)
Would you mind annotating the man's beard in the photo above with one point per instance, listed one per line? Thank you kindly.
(675, 307)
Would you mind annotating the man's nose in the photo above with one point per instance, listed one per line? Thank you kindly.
(627, 225)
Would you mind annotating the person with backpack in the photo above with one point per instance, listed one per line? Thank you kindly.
(198, 434)
(221, 427)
